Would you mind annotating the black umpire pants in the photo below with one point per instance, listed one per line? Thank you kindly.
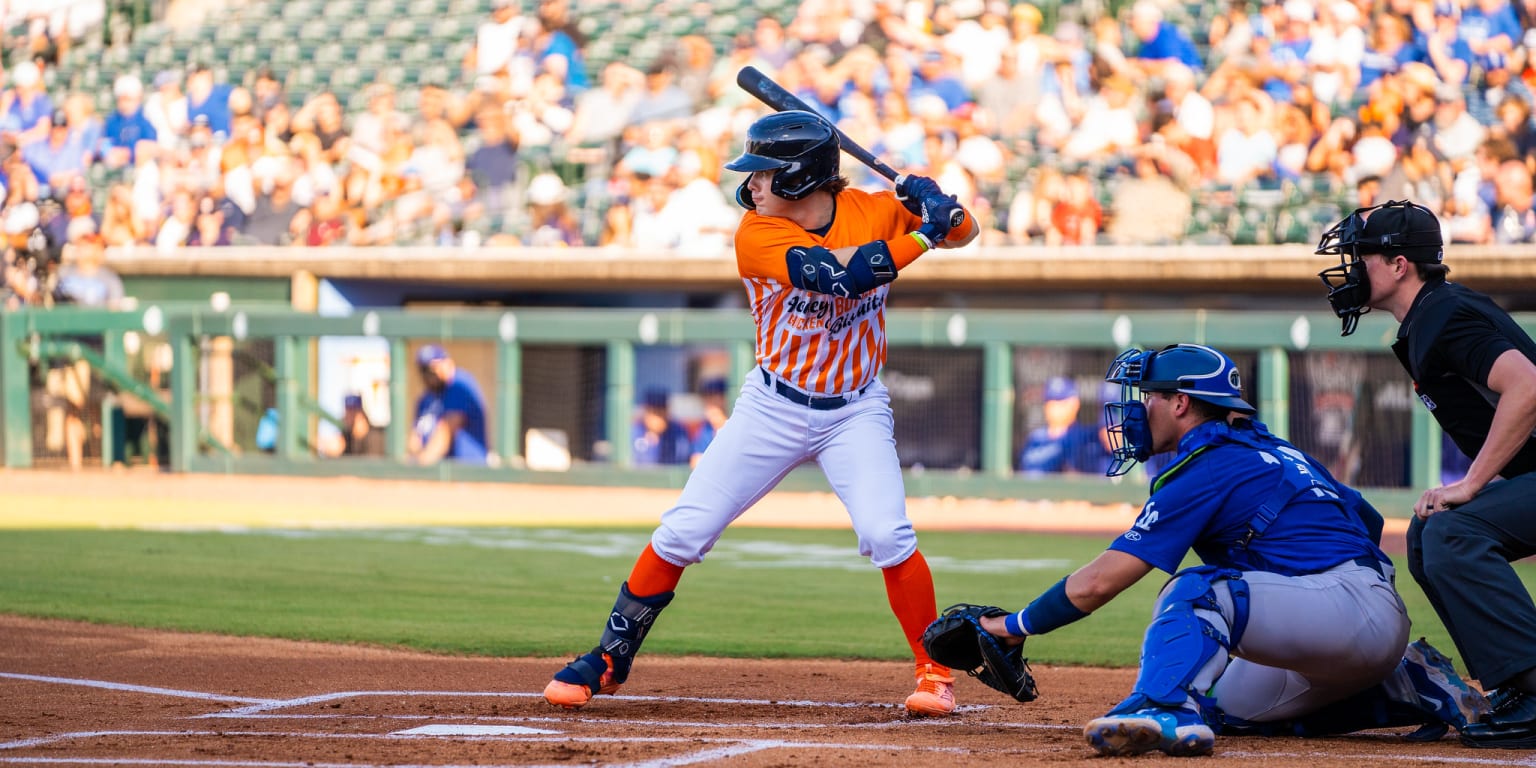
(1461, 558)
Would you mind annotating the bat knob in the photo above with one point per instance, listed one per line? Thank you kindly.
(956, 219)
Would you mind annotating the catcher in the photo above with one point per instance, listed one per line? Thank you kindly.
(1291, 624)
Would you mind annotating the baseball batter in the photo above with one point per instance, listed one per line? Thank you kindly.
(1293, 607)
(817, 259)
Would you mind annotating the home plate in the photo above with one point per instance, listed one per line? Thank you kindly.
(472, 730)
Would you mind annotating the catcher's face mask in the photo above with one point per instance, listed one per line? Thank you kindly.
(1195, 370)
(1130, 435)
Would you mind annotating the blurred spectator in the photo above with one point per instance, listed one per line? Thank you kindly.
(209, 99)
(1456, 134)
(327, 225)
(25, 107)
(1338, 44)
(450, 414)
(1076, 218)
(770, 43)
(1149, 208)
(550, 219)
(695, 65)
(375, 128)
(358, 436)
(209, 228)
(1109, 126)
(1062, 445)
(658, 439)
(1390, 46)
(166, 109)
(558, 43)
(271, 221)
(1159, 40)
(178, 226)
(662, 98)
(1446, 45)
(712, 393)
(27, 261)
(1010, 96)
(935, 75)
(1029, 211)
(493, 164)
(1247, 149)
(119, 227)
(127, 125)
(496, 40)
(601, 113)
(1515, 124)
(1514, 220)
(1491, 29)
(85, 279)
(58, 159)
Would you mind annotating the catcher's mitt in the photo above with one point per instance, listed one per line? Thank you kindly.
(956, 640)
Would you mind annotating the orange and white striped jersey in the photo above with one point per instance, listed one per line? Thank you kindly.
(822, 344)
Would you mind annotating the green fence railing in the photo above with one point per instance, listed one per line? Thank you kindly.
(1273, 339)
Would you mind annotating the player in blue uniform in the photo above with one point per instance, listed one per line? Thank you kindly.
(1293, 608)
(450, 416)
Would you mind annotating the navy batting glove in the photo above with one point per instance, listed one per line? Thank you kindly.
(940, 213)
(912, 189)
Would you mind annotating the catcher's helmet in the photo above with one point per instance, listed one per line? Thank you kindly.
(801, 146)
(1192, 369)
(1395, 228)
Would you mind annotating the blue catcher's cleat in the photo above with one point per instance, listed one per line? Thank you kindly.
(1177, 731)
(1441, 691)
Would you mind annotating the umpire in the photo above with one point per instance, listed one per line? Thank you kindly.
(1475, 370)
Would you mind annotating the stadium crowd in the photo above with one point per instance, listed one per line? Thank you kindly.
(1118, 125)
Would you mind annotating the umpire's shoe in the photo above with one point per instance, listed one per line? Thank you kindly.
(1177, 731)
(1511, 726)
(587, 676)
(1440, 690)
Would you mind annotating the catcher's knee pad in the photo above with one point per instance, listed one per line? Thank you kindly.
(1183, 639)
(628, 624)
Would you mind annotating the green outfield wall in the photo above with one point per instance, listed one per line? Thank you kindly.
(980, 370)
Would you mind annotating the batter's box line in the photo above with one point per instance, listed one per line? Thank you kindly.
(726, 747)
(268, 705)
(930, 722)
(107, 684)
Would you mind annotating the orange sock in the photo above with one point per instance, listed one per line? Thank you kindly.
(652, 575)
(909, 587)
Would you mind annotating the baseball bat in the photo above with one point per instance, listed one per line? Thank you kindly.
(774, 95)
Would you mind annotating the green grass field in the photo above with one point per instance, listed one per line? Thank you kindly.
(536, 591)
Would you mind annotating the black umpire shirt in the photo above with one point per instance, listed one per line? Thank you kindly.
(1448, 343)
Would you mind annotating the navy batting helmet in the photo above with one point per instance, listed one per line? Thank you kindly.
(1395, 228)
(800, 146)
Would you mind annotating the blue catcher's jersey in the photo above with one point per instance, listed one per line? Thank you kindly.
(1210, 497)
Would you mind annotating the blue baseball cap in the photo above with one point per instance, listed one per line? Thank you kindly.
(1059, 388)
(430, 353)
(353, 402)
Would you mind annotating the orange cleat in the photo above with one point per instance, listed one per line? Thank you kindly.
(575, 695)
(935, 694)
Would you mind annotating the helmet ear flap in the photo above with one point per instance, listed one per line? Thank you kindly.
(744, 197)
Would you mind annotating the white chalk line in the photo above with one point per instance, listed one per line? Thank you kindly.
(929, 722)
(726, 748)
(136, 688)
(267, 705)
(257, 709)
